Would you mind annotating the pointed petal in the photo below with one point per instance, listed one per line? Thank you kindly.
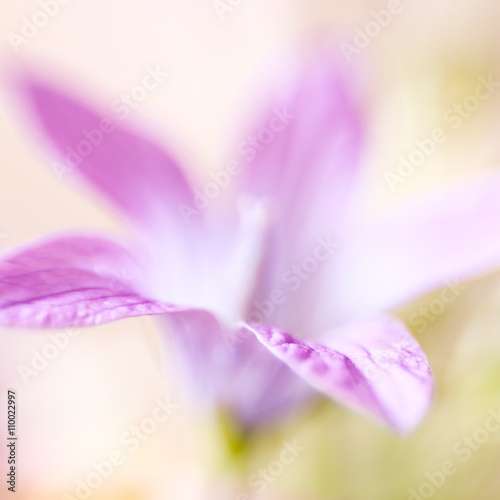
(376, 368)
(303, 171)
(419, 245)
(120, 163)
(71, 281)
(131, 172)
(307, 142)
(230, 369)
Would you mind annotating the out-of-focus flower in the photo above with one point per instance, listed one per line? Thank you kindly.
(281, 252)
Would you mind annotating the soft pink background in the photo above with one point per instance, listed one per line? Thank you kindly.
(76, 409)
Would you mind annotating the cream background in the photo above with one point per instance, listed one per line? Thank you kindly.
(106, 380)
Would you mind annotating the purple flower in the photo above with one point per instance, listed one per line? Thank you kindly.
(277, 286)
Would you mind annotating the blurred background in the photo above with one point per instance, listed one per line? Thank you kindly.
(73, 412)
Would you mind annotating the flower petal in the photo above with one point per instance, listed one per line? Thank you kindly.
(417, 246)
(303, 171)
(230, 369)
(310, 135)
(122, 164)
(72, 281)
(375, 367)
(132, 173)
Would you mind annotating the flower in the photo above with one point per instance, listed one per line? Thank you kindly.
(279, 285)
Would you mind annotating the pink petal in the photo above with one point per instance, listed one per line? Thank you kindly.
(71, 281)
(416, 246)
(122, 164)
(230, 369)
(304, 175)
(375, 367)
(132, 173)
